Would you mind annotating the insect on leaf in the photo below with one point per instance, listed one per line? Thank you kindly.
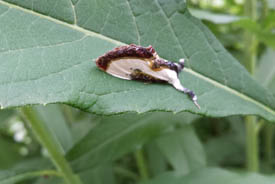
(46, 59)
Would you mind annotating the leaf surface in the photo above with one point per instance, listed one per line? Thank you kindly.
(216, 18)
(117, 135)
(265, 72)
(263, 31)
(212, 176)
(56, 123)
(45, 59)
(26, 170)
(186, 152)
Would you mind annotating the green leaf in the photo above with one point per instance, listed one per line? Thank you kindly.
(268, 21)
(47, 138)
(186, 153)
(228, 148)
(101, 175)
(157, 163)
(27, 170)
(248, 24)
(82, 126)
(265, 72)
(272, 85)
(224, 150)
(55, 121)
(216, 18)
(9, 153)
(116, 136)
(212, 176)
(271, 4)
(263, 32)
(44, 59)
(5, 115)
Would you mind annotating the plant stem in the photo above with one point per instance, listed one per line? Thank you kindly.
(142, 168)
(268, 148)
(46, 138)
(268, 127)
(252, 148)
(252, 129)
(251, 42)
(264, 9)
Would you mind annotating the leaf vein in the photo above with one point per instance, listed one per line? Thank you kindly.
(134, 19)
(50, 74)
(44, 46)
(170, 25)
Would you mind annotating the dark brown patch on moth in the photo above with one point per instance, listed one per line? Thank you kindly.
(132, 50)
(139, 52)
(141, 76)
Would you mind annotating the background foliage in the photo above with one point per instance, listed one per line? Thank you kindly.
(47, 52)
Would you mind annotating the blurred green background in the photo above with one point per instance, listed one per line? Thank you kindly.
(247, 31)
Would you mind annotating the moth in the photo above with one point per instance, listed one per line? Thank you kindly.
(133, 62)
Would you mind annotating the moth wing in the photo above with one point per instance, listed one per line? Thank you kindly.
(120, 69)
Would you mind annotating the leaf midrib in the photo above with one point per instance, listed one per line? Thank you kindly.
(112, 40)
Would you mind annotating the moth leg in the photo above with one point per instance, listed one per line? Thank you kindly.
(191, 95)
(176, 83)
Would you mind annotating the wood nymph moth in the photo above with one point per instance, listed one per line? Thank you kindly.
(133, 62)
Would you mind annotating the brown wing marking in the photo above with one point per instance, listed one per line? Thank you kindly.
(141, 76)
